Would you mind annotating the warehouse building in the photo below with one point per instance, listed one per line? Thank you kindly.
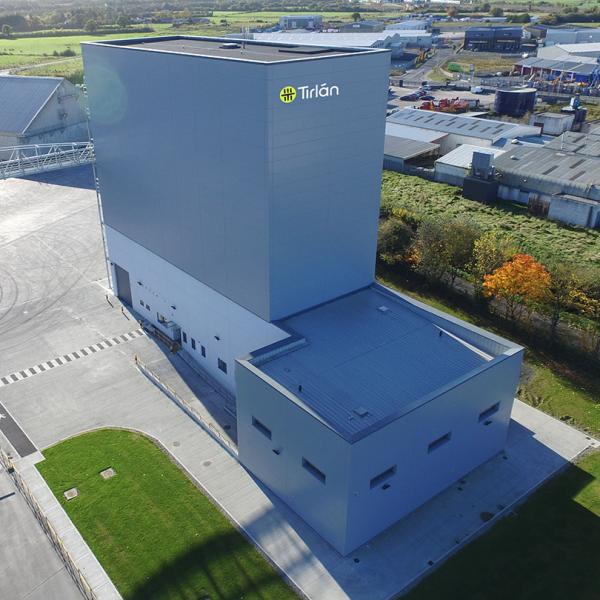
(493, 39)
(366, 25)
(399, 153)
(453, 167)
(249, 237)
(571, 36)
(453, 130)
(40, 110)
(570, 51)
(301, 22)
(554, 183)
(395, 41)
(566, 68)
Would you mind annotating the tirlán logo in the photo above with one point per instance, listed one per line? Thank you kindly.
(289, 93)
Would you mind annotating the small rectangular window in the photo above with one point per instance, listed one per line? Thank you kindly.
(147, 307)
(222, 365)
(184, 335)
(142, 302)
(261, 427)
(193, 344)
(439, 442)
(488, 412)
(383, 477)
(313, 470)
(203, 351)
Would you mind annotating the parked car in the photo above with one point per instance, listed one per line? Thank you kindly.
(410, 97)
(427, 97)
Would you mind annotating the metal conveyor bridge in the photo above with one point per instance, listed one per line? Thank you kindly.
(23, 161)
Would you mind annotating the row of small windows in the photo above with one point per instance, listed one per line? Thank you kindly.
(220, 363)
(381, 480)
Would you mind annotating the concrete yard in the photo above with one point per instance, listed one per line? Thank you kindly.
(54, 304)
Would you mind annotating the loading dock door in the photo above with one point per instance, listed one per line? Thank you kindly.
(123, 285)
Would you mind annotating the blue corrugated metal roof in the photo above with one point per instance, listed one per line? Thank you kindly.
(21, 98)
(359, 357)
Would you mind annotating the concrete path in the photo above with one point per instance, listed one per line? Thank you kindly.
(56, 303)
(29, 566)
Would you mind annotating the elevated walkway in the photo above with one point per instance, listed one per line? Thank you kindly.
(23, 161)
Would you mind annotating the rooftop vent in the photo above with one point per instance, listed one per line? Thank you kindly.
(361, 411)
(383, 309)
(229, 46)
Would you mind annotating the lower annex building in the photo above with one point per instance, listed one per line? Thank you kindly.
(248, 235)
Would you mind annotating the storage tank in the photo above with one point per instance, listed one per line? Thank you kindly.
(514, 103)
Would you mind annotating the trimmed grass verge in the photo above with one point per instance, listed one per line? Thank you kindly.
(154, 532)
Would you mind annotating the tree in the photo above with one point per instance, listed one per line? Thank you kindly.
(497, 12)
(452, 11)
(356, 16)
(485, 7)
(6, 30)
(490, 252)
(519, 283)
(395, 239)
(91, 25)
(444, 247)
(565, 284)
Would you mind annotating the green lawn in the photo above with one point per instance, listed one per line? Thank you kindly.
(155, 533)
(550, 550)
(541, 237)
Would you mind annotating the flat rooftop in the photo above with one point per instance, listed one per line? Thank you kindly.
(366, 359)
(230, 48)
(459, 124)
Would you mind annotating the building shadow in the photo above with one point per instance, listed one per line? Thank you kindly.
(77, 177)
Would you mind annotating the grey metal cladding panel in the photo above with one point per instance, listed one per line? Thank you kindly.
(325, 167)
(181, 153)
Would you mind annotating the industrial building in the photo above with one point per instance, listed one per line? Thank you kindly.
(452, 130)
(248, 236)
(366, 25)
(554, 182)
(570, 51)
(396, 41)
(565, 69)
(411, 24)
(300, 22)
(452, 168)
(40, 110)
(493, 39)
(571, 36)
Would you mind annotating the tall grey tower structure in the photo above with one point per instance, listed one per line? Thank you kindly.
(240, 187)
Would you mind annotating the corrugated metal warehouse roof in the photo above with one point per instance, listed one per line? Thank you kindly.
(405, 148)
(460, 124)
(550, 171)
(463, 155)
(21, 98)
(413, 133)
(580, 143)
(369, 357)
(343, 40)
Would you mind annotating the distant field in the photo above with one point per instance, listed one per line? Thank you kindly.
(542, 238)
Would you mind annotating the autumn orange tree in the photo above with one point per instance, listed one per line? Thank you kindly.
(519, 283)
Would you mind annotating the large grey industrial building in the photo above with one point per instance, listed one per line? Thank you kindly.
(248, 235)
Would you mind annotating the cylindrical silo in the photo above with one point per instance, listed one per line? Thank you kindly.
(514, 103)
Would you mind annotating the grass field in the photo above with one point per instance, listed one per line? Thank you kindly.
(542, 238)
(547, 551)
(155, 533)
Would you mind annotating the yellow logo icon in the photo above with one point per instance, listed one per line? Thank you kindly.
(287, 94)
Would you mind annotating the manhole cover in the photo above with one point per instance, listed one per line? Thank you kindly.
(108, 473)
(72, 493)
(176, 444)
(207, 463)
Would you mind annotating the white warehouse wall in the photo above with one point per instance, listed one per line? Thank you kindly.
(200, 311)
